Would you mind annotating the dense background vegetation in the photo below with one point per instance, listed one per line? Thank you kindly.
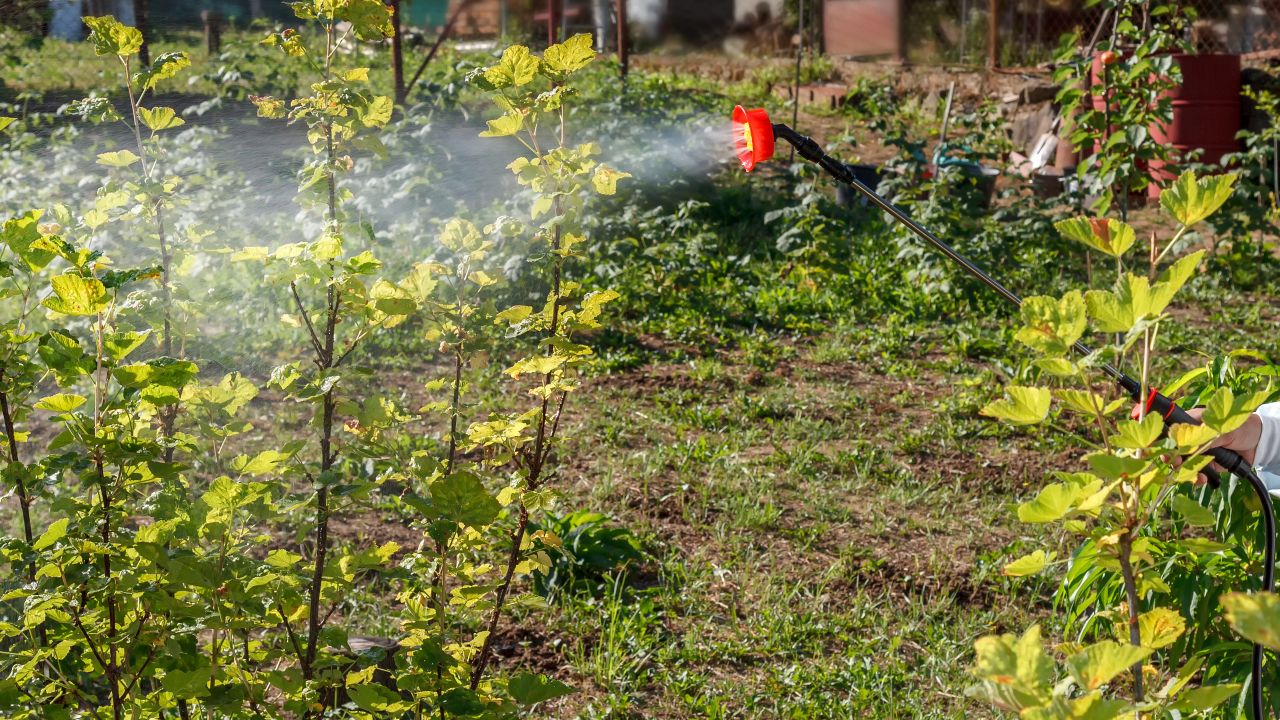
(779, 499)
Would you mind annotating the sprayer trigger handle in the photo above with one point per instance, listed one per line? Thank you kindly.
(1173, 415)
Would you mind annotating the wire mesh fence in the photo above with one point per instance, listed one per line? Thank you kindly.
(1027, 32)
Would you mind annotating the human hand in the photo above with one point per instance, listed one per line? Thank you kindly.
(1243, 440)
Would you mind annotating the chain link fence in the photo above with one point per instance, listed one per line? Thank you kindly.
(1029, 31)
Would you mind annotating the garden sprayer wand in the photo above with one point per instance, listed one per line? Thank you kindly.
(754, 140)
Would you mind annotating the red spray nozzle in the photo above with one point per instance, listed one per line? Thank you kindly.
(752, 136)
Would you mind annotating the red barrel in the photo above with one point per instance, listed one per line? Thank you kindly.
(1206, 111)
(1098, 103)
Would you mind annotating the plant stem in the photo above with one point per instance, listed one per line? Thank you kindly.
(482, 659)
(324, 362)
(22, 488)
(113, 670)
(537, 460)
(1131, 594)
(442, 548)
(23, 498)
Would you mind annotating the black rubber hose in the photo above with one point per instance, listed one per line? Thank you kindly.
(1243, 470)
(1156, 402)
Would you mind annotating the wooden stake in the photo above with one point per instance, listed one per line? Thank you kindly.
(993, 39)
(397, 53)
(140, 21)
(622, 37)
(551, 22)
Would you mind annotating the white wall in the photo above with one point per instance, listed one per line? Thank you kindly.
(66, 23)
(645, 16)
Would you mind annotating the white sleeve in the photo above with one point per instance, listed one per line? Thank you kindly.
(1268, 452)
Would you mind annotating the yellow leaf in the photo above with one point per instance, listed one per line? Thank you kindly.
(1191, 437)
(1160, 627)
(606, 179)
(161, 118)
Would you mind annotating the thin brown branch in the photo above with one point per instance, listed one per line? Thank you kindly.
(306, 317)
(482, 660)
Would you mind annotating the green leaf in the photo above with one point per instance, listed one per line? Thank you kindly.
(56, 532)
(1256, 616)
(60, 403)
(506, 125)
(568, 57)
(120, 159)
(1029, 564)
(1113, 467)
(1225, 412)
(420, 283)
(373, 145)
(515, 313)
(1172, 280)
(1160, 627)
(459, 235)
(112, 38)
(1193, 512)
(516, 68)
(165, 66)
(378, 113)
(22, 235)
(391, 300)
(1204, 698)
(1082, 401)
(263, 462)
(1190, 200)
(1098, 664)
(1190, 437)
(1138, 435)
(529, 689)
(269, 107)
(119, 344)
(282, 559)
(227, 493)
(1013, 672)
(363, 264)
(370, 19)
(6, 122)
(461, 702)
(187, 685)
(1053, 502)
(462, 498)
(1120, 309)
(1090, 707)
(75, 295)
(374, 698)
(161, 118)
(164, 372)
(1201, 546)
(1052, 326)
(599, 297)
(251, 253)
(1110, 236)
(1021, 406)
(606, 179)
(481, 278)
